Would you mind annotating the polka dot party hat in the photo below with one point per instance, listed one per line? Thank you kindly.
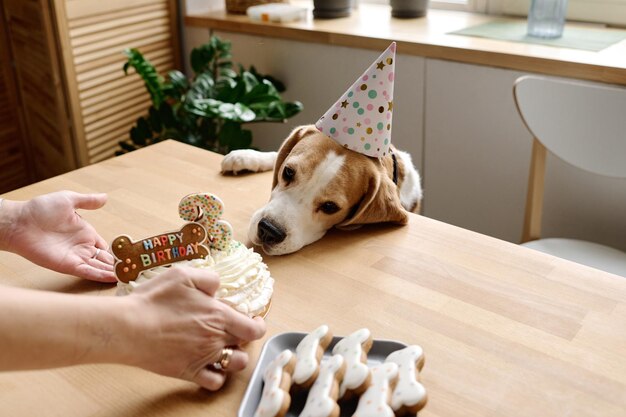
(361, 119)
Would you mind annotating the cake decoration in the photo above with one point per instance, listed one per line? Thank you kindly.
(245, 281)
(361, 119)
(207, 209)
(133, 258)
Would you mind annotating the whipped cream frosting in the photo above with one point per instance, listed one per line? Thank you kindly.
(245, 281)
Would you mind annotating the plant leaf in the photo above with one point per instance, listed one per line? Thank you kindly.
(249, 80)
(232, 136)
(178, 84)
(201, 57)
(166, 114)
(151, 78)
(155, 120)
(293, 108)
(231, 93)
(236, 112)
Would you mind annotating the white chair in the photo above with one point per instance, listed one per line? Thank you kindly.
(584, 124)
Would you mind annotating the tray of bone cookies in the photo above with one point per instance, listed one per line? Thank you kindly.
(318, 375)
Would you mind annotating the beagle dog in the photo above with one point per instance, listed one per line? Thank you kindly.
(318, 184)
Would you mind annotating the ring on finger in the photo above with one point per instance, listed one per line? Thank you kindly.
(95, 255)
(224, 360)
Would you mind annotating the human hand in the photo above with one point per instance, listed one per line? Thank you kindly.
(48, 231)
(182, 329)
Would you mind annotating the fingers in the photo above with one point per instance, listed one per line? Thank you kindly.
(213, 380)
(105, 257)
(242, 326)
(206, 281)
(88, 201)
(92, 273)
(100, 242)
(98, 264)
(238, 360)
(210, 380)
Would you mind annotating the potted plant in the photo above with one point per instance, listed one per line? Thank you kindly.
(329, 9)
(409, 8)
(209, 109)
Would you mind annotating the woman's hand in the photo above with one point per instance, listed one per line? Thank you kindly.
(182, 328)
(48, 231)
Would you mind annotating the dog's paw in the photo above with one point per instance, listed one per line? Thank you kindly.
(248, 160)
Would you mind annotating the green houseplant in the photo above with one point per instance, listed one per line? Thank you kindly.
(209, 109)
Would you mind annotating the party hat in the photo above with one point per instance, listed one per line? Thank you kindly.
(361, 119)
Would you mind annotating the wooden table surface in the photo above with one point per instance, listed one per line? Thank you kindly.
(506, 331)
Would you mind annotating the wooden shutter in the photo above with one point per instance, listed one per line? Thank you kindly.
(105, 103)
(31, 39)
(14, 171)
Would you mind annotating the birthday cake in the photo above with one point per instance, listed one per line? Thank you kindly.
(245, 281)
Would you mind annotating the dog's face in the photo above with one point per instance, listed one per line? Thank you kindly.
(317, 185)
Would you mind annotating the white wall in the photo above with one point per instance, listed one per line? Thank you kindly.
(317, 75)
(477, 161)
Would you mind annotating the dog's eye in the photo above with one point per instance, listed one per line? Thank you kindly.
(288, 174)
(329, 207)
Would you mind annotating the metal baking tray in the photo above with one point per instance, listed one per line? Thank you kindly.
(272, 348)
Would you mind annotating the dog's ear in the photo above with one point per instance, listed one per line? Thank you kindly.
(380, 204)
(294, 137)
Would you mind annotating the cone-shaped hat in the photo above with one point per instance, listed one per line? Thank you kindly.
(361, 119)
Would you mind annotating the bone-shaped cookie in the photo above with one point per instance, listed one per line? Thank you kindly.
(207, 209)
(322, 398)
(308, 354)
(409, 396)
(166, 248)
(375, 400)
(275, 399)
(354, 349)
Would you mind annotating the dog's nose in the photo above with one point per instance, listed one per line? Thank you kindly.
(270, 233)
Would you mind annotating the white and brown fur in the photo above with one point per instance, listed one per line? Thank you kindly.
(325, 175)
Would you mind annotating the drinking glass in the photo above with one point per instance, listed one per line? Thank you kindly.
(546, 18)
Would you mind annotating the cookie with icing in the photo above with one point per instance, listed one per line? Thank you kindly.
(322, 398)
(354, 349)
(275, 399)
(409, 395)
(309, 352)
(375, 400)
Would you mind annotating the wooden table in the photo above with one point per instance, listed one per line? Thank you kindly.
(506, 331)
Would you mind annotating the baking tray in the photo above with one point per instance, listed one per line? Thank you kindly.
(272, 348)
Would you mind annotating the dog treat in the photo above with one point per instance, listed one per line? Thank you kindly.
(409, 396)
(322, 399)
(354, 349)
(134, 258)
(275, 399)
(308, 354)
(207, 209)
(375, 401)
